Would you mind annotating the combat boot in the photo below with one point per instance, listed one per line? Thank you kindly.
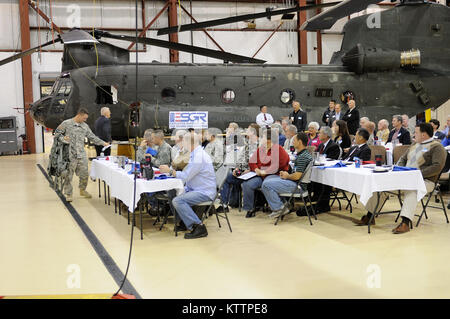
(85, 194)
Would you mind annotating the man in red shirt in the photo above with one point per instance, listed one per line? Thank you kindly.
(269, 159)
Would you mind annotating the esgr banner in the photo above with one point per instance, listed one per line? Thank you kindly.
(184, 120)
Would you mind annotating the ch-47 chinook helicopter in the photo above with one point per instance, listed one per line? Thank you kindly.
(401, 66)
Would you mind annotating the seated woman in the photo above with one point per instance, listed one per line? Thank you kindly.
(342, 135)
(313, 137)
(231, 187)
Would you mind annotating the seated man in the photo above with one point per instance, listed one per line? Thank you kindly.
(436, 134)
(361, 149)
(426, 154)
(178, 139)
(273, 185)
(279, 131)
(291, 131)
(328, 147)
(322, 192)
(399, 134)
(214, 148)
(200, 186)
(269, 159)
(163, 157)
(147, 146)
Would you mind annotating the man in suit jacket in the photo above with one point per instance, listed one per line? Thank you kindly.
(328, 146)
(322, 192)
(352, 117)
(399, 134)
(336, 116)
(298, 117)
(361, 150)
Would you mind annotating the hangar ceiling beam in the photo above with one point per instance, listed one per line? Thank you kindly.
(43, 15)
(151, 23)
(173, 37)
(206, 32)
(301, 35)
(271, 35)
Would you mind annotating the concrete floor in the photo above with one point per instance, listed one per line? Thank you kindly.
(42, 248)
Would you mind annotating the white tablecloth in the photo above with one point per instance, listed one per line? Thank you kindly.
(121, 183)
(362, 181)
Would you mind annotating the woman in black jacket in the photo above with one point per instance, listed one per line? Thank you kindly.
(342, 136)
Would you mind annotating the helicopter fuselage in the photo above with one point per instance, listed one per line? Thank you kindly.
(234, 92)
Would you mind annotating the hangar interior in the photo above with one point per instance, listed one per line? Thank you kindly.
(42, 244)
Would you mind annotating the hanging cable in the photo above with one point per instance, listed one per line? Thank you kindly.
(51, 22)
(179, 15)
(39, 29)
(135, 156)
(95, 45)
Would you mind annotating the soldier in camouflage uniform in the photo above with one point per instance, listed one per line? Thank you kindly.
(73, 132)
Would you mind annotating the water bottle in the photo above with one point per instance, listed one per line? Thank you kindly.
(357, 162)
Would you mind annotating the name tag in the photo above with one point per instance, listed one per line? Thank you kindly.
(349, 115)
(398, 135)
(299, 117)
(424, 150)
(292, 119)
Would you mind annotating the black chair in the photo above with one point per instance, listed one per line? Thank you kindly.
(299, 193)
(437, 192)
(335, 196)
(221, 176)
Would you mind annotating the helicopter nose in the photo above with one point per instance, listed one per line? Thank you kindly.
(37, 112)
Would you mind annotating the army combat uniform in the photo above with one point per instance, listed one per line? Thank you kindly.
(77, 132)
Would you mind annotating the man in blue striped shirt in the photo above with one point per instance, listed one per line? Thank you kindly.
(200, 185)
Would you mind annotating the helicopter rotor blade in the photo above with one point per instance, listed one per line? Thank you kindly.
(78, 36)
(27, 52)
(212, 23)
(220, 55)
(327, 19)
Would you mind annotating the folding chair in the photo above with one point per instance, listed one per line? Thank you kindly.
(336, 197)
(300, 193)
(437, 192)
(221, 176)
(398, 152)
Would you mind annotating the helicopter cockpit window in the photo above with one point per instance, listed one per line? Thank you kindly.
(168, 95)
(65, 88)
(55, 87)
(287, 96)
(228, 96)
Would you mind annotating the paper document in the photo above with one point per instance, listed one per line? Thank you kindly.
(247, 176)
(104, 148)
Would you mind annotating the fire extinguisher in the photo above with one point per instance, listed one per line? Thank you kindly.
(24, 144)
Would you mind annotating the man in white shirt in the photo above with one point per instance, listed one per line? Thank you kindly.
(264, 119)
